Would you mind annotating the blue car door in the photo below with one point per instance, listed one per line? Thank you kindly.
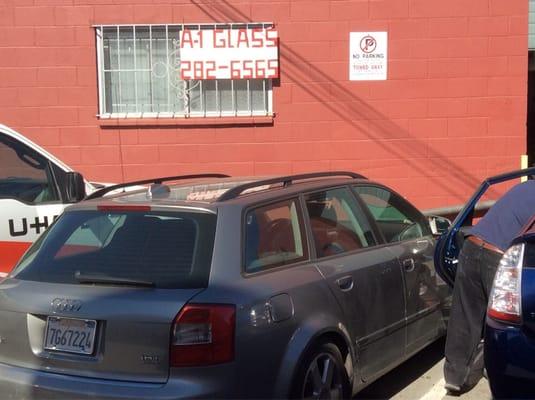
(449, 244)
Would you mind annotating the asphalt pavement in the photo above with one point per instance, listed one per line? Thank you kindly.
(420, 378)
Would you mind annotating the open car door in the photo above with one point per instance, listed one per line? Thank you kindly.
(449, 244)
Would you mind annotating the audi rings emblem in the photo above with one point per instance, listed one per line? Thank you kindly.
(66, 304)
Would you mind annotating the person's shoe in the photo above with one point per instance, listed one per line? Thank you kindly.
(452, 389)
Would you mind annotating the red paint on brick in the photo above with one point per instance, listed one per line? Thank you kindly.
(74, 16)
(79, 135)
(467, 127)
(17, 77)
(387, 9)
(104, 155)
(144, 14)
(490, 66)
(425, 128)
(35, 57)
(54, 36)
(498, 7)
(454, 107)
(348, 10)
(37, 96)
(139, 154)
(270, 11)
(309, 10)
(56, 76)
(448, 27)
(452, 111)
(114, 14)
(16, 36)
(178, 154)
(518, 25)
(452, 8)
(488, 26)
(409, 28)
(508, 45)
(34, 16)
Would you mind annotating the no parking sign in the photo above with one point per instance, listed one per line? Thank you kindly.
(368, 56)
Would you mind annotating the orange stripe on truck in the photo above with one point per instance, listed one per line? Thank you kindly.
(10, 253)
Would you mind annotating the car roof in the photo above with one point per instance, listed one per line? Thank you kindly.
(210, 193)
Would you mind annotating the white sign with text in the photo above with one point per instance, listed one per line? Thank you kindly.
(251, 53)
(368, 57)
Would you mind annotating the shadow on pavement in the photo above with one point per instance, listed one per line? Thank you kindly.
(401, 377)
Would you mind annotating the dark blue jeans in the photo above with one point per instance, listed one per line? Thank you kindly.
(473, 282)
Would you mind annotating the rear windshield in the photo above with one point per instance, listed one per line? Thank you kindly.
(164, 250)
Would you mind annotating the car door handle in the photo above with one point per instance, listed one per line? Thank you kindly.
(408, 264)
(345, 283)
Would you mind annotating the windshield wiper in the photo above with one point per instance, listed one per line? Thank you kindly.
(110, 280)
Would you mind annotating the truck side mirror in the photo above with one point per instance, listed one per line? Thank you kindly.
(75, 189)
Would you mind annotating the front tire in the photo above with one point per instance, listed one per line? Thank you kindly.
(322, 375)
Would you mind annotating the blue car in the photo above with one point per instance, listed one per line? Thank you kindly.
(510, 324)
(510, 327)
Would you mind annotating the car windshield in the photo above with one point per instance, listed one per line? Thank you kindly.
(156, 249)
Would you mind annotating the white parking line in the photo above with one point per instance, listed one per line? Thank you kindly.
(436, 392)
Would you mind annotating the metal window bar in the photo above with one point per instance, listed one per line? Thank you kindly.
(136, 105)
(264, 94)
(100, 70)
(120, 94)
(167, 57)
(151, 89)
(235, 111)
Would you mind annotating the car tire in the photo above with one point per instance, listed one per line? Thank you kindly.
(322, 375)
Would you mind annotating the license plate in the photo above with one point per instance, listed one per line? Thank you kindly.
(70, 335)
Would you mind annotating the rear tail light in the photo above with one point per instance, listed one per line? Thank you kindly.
(505, 296)
(203, 334)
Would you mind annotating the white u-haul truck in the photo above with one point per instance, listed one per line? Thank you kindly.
(35, 187)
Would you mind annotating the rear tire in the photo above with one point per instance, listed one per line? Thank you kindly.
(322, 375)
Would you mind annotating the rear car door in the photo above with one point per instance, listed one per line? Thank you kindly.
(284, 289)
(409, 237)
(30, 198)
(364, 277)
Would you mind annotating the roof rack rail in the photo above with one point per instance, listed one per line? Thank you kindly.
(103, 191)
(285, 180)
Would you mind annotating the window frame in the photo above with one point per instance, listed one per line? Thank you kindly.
(303, 229)
(50, 172)
(377, 236)
(426, 230)
(104, 115)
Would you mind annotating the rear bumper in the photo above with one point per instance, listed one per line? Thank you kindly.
(22, 383)
(509, 355)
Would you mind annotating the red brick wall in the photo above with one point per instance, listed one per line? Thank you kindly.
(452, 111)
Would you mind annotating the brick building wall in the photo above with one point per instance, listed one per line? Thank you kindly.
(452, 111)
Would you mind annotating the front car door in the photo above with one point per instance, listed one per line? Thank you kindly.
(449, 244)
(409, 237)
(364, 277)
(30, 198)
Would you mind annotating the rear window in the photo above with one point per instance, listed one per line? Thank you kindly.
(167, 250)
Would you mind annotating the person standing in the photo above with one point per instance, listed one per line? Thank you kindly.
(478, 260)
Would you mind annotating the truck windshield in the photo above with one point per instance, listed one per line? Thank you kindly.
(164, 250)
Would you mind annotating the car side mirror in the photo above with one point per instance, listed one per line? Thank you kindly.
(439, 225)
(75, 187)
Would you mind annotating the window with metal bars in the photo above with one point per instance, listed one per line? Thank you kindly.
(139, 77)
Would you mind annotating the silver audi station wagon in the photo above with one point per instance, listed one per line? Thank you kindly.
(205, 286)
